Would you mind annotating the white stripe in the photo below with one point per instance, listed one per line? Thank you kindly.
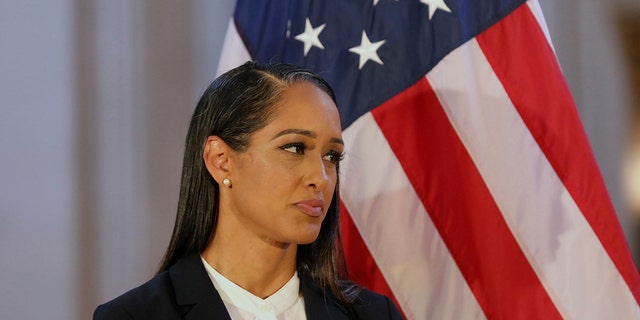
(234, 52)
(562, 248)
(536, 10)
(398, 231)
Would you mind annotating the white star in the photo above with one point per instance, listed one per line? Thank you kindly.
(435, 5)
(310, 37)
(375, 2)
(367, 50)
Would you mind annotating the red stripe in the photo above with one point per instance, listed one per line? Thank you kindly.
(362, 267)
(544, 102)
(461, 207)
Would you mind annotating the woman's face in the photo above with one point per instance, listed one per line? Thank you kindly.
(283, 183)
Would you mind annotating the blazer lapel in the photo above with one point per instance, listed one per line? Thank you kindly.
(195, 292)
(200, 300)
(317, 305)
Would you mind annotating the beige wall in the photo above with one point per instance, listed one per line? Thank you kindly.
(629, 27)
(94, 102)
(95, 99)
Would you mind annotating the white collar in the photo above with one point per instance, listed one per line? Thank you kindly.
(250, 304)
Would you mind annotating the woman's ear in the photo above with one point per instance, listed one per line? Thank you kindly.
(216, 158)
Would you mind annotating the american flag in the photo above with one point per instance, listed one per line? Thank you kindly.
(469, 189)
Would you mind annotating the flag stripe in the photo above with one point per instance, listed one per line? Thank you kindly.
(534, 203)
(419, 269)
(482, 245)
(235, 52)
(556, 127)
(362, 267)
(536, 10)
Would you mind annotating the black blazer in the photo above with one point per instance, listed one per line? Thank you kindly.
(186, 292)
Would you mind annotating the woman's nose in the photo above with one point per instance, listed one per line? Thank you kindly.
(317, 176)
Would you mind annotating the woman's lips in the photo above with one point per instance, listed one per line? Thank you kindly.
(312, 207)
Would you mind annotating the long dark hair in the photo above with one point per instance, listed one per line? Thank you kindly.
(237, 104)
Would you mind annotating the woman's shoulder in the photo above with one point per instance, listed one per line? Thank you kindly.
(372, 305)
(169, 295)
(365, 304)
(154, 297)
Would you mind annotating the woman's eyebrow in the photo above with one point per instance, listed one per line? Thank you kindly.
(306, 133)
(303, 132)
(338, 141)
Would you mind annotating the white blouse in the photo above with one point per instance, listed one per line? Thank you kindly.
(285, 304)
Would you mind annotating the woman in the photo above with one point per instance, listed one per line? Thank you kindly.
(257, 232)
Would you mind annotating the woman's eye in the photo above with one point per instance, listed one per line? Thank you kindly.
(297, 148)
(333, 157)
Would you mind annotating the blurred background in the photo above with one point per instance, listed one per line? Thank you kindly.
(95, 99)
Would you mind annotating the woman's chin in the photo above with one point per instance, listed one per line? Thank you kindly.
(307, 237)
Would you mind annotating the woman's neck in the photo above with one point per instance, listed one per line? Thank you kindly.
(257, 265)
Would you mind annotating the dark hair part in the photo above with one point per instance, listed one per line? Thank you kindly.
(237, 104)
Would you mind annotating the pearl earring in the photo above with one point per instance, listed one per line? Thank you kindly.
(226, 182)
